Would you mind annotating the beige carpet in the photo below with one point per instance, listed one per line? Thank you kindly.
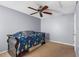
(49, 49)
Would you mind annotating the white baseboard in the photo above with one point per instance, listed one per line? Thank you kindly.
(62, 43)
(3, 52)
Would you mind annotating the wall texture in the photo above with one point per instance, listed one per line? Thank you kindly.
(60, 28)
(12, 21)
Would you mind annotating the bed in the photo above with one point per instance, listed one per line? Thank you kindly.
(19, 43)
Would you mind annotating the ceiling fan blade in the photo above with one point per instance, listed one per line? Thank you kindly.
(34, 13)
(48, 13)
(44, 8)
(40, 14)
(53, 10)
(32, 8)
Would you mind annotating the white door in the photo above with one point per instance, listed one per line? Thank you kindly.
(76, 41)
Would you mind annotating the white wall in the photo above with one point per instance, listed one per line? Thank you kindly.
(60, 28)
(77, 31)
(12, 21)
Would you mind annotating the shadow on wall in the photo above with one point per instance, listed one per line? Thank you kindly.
(47, 37)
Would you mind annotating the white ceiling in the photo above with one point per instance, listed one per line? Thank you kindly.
(63, 7)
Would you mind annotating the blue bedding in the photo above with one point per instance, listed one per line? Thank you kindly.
(28, 39)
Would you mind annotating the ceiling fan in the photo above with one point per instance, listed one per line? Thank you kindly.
(41, 10)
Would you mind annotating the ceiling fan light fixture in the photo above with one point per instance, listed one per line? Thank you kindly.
(40, 10)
